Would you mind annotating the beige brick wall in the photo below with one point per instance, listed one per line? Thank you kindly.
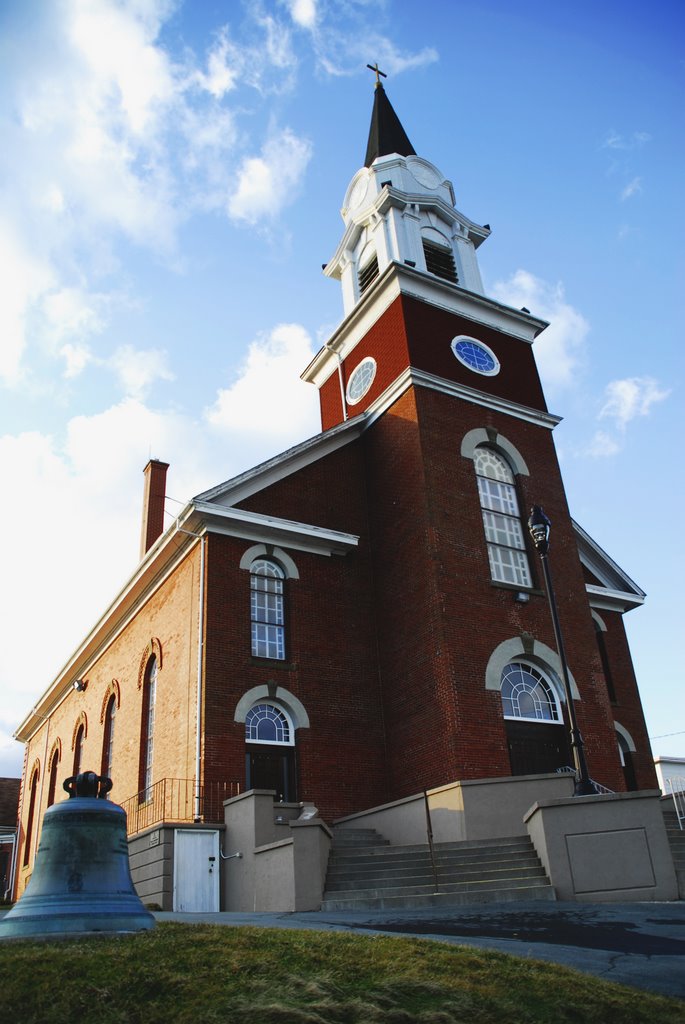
(166, 621)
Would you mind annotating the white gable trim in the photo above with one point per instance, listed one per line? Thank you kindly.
(616, 592)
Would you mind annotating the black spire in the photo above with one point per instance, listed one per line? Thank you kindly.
(386, 134)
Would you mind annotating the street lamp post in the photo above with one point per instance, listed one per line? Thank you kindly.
(539, 526)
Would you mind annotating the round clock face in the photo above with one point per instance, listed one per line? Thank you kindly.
(477, 356)
(361, 380)
(359, 191)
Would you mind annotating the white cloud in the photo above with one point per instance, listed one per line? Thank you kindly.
(629, 398)
(268, 400)
(138, 369)
(269, 182)
(614, 140)
(76, 358)
(224, 66)
(560, 349)
(303, 12)
(70, 313)
(111, 138)
(602, 446)
(632, 188)
(23, 279)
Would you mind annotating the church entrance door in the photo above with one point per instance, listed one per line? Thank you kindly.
(271, 768)
(196, 871)
(537, 747)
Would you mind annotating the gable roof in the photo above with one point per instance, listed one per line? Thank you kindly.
(615, 590)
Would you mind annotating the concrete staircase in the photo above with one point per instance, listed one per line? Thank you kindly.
(676, 839)
(366, 873)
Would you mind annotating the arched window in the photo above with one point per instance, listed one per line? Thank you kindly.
(52, 784)
(266, 723)
(78, 749)
(147, 731)
(527, 693)
(108, 737)
(267, 609)
(501, 518)
(32, 811)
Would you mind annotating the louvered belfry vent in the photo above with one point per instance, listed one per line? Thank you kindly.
(440, 261)
(367, 274)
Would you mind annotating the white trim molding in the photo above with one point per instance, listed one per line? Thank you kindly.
(270, 693)
(492, 438)
(626, 736)
(269, 551)
(530, 650)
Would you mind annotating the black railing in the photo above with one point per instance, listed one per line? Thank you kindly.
(177, 801)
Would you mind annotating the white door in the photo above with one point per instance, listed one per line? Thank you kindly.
(196, 871)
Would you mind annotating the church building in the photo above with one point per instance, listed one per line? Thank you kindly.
(362, 617)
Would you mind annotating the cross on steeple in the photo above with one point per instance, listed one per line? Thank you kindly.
(377, 72)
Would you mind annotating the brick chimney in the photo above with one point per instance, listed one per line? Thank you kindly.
(153, 504)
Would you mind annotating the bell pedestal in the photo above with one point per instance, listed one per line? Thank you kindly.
(81, 882)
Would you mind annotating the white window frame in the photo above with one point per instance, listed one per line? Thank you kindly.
(502, 524)
(267, 610)
(543, 681)
(367, 370)
(277, 713)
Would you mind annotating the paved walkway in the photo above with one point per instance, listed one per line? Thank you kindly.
(638, 944)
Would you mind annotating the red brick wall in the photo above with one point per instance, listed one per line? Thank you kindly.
(413, 333)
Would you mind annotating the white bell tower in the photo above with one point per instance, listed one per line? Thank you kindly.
(400, 208)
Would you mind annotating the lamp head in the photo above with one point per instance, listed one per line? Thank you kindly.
(539, 526)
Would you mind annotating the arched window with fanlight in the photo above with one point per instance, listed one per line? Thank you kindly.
(270, 751)
(501, 518)
(147, 732)
(267, 609)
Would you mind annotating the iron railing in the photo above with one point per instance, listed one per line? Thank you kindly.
(177, 801)
(676, 787)
(597, 786)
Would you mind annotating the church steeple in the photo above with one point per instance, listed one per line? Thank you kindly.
(411, 285)
(399, 210)
(386, 134)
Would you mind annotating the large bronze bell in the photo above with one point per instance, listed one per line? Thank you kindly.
(81, 881)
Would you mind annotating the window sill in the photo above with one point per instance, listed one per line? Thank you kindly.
(514, 588)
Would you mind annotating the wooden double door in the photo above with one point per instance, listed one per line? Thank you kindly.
(537, 747)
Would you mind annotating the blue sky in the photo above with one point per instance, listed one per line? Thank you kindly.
(171, 180)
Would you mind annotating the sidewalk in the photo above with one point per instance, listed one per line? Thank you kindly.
(638, 944)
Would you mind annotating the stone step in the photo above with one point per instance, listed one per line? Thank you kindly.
(424, 865)
(404, 901)
(472, 848)
(445, 881)
(401, 859)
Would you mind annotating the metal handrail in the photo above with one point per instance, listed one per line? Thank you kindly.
(676, 787)
(599, 789)
(431, 848)
(177, 801)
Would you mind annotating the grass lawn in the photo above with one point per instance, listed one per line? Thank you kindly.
(205, 974)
